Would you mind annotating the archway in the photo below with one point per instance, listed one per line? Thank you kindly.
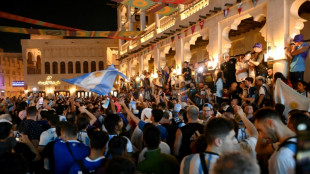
(247, 34)
(199, 51)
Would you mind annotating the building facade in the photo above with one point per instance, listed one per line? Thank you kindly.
(11, 74)
(47, 60)
(208, 29)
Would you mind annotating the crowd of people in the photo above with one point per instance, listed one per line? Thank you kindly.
(206, 120)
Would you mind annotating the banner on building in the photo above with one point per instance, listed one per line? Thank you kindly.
(110, 34)
(193, 28)
(166, 11)
(33, 21)
(175, 1)
(254, 2)
(226, 11)
(140, 4)
(185, 32)
(201, 23)
(240, 7)
(156, 8)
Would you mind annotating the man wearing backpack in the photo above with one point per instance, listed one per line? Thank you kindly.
(270, 127)
(263, 92)
(98, 141)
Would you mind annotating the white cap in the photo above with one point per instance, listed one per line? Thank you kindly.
(147, 112)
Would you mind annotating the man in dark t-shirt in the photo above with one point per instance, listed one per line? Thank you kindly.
(229, 70)
(257, 60)
(187, 134)
(187, 73)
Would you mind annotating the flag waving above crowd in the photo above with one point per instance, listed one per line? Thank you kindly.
(100, 82)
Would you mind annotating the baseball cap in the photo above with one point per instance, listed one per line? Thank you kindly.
(298, 38)
(258, 45)
(177, 107)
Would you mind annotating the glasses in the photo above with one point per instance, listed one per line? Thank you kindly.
(206, 110)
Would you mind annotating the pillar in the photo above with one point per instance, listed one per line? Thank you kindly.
(142, 20)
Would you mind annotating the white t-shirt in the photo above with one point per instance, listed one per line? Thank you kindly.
(164, 148)
(83, 137)
(48, 136)
(128, 145)
(282, 160)
(241, 76)
(62, 118)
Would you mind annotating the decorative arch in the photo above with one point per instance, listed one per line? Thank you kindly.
(162, 55)
(85, 67)
(55, 68)
(296, 22)
(101, 65)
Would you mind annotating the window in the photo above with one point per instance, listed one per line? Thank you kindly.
(85, 67)
(55, 68)
(101, 67)
(77, 67)
(30, 65)
(70, 68)
(93, 66)
(62, 68)
(47, 68)
(38, 65)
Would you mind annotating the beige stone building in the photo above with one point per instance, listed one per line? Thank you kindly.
(170, 40)
(11, 73)
(48, 59)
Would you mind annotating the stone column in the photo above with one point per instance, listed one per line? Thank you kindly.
(142, 20)
(179, 56)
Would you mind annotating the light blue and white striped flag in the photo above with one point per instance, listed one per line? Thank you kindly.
(100, 82)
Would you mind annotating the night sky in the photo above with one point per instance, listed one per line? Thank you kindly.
(89, 15)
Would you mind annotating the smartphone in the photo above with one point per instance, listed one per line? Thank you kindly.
(303, 149)
(17, 135)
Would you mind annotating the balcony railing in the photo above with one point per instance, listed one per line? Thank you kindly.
(124, 48)
(134, 44)
(150, 32)
(193, 8)
(165, 23)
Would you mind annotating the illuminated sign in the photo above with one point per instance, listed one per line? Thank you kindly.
(18, 83)
(49, 81)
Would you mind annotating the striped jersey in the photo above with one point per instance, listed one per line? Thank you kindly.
(191, 164)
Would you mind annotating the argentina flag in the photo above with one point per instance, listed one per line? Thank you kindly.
(100, 82)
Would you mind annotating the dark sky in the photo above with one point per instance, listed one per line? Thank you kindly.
(86, 15)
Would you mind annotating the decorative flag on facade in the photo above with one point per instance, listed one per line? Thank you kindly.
(226, 11)
(240, 7)
(175, 1)
(33, 21)
(201, 23)
(118, 1)
(254, 2)
(185, 32)
(179, 36)
(100, 82)
(140, 4)
(290, 98)
(193, 28)
(172, 39)
(156, 8)
(166, 11)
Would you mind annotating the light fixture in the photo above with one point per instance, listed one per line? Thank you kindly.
(200, 69)
(34, 89)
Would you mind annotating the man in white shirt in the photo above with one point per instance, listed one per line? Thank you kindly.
(271, 128)
(50, 134)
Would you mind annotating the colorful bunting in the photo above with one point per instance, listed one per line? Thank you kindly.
(201, 23)
(240, 7)
(226, 11)
(254, 2)
(185, 32)
(175, 1)
(33, 21)
(166, 11)
(179, 36)
(156, 8)
(193, 28)
(140, 4)
(125, 35)
(118, 1)
(172, 39)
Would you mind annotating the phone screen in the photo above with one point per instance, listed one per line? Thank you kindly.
(303, 149)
